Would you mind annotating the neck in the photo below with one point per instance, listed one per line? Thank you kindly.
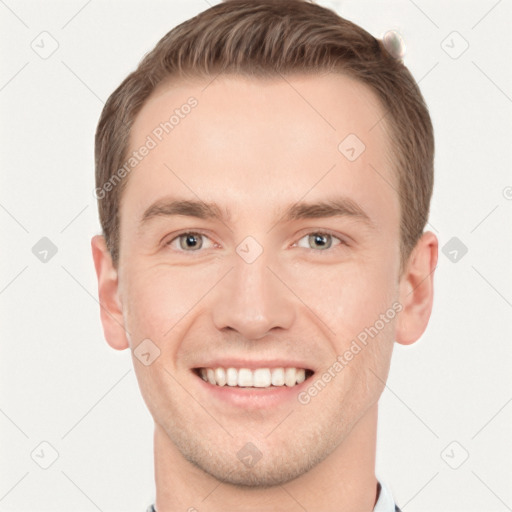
(345, 478)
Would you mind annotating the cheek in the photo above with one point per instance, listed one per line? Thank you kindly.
(158, 298)
(346, 298)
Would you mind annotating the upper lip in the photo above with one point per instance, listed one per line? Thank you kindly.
(253, 364)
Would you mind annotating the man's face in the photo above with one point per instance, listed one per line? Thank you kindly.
(258, 288)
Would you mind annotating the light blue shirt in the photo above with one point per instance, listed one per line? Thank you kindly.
(385, 503)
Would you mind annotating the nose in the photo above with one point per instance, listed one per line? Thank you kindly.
(252, 300)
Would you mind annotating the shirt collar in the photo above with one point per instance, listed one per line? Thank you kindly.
(385, 503)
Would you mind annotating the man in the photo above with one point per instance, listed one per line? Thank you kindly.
(264, 179)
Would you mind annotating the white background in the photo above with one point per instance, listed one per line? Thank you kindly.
(61, 383)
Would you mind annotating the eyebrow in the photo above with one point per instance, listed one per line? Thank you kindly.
(337, 207)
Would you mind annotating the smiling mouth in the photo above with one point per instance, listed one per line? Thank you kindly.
(257, 378)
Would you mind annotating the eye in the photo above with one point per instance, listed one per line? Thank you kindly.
(190, 241)
(319, 240)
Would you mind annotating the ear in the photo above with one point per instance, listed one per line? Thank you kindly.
(111, 311)
(417, 290)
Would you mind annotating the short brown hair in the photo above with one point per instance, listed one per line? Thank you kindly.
(268, 38)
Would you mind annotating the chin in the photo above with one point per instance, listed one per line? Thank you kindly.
(257, 464)
(264, 474)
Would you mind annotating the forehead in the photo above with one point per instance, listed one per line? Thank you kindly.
(258, 143)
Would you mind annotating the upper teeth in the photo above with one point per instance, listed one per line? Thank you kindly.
(259, 378)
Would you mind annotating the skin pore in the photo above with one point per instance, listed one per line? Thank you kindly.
(294, 294)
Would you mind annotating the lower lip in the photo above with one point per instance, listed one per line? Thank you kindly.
(253, 398)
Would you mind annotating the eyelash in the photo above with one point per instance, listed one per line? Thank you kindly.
(322, 232)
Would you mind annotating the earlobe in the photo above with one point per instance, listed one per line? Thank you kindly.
(417, 290)
(110, 306)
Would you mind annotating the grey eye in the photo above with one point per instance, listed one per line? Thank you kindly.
(190, 241)
(318, 240)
